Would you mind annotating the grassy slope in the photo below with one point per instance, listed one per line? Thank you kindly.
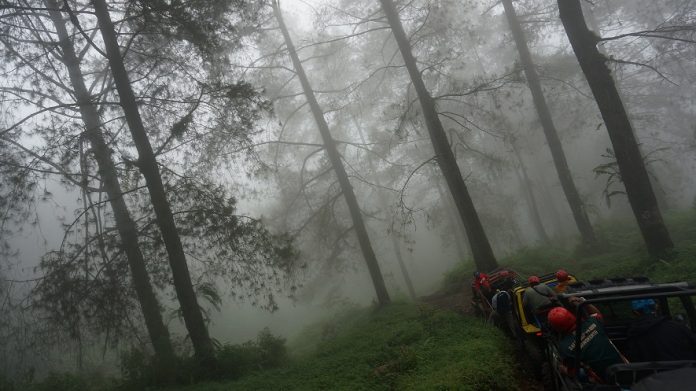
(624, 254)
(413, 347)
(404, 347)
(419, 348)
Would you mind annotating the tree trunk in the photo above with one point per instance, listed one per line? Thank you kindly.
(660, 193)
(548, 199)
(337, 164)
(159, 335)
(193, 318)
(402, 266)
(456, 224)
(628, 156)
(559, 158)
(385, 205)
(531, 200)
(480, 247)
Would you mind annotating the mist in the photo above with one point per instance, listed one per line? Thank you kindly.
(176, 178)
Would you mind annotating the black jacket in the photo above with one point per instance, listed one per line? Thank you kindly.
(652, 338)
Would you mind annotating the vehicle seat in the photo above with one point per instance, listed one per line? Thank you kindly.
(625, 375)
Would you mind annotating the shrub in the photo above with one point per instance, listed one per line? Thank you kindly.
(5, 384)
(140, 370)
(62, 382)
(268, 351)
(237, 360)
(136, 369)
(273, 352)
(454, 280)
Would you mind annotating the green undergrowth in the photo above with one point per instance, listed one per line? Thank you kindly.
(64, 381)
(621, 253)
(400, 347)
(408, 346)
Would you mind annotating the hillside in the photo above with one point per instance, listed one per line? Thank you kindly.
(404, 346)
(415, 346)
(622, 254)
(412, 346)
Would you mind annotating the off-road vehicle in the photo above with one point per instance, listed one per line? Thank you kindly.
(613, 297)
(526, 329)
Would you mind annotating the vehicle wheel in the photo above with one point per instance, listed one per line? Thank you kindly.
(548, 377)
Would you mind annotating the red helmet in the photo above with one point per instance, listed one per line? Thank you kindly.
(504, 274)
(562, 275)
(561, 319)
(533, 280)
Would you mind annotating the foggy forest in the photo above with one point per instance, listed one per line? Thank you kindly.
(347, 194)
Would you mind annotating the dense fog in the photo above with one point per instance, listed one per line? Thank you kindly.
(266, 187)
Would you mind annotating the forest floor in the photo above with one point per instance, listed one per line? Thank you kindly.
(459, 301)
(404, 346)
(437, 343)
(441, 345)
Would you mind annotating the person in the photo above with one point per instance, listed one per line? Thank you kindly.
(538, 297)
(597, 353)
(657, 338)
(563, 279)
(588, 310)
(481, 280)
(481, 284)
(501, 302)
(502, 305)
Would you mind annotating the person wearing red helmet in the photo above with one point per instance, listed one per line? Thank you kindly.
(597, 353)
(481, 280)
(481, 284)
(563, 279)
(562, 320)
(538, 297)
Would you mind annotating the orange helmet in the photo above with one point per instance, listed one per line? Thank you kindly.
(533, 280)
(562, 275)
(562, 320)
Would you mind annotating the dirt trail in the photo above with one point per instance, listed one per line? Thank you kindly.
(458, 302)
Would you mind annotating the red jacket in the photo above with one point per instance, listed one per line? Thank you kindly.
(482, 281)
